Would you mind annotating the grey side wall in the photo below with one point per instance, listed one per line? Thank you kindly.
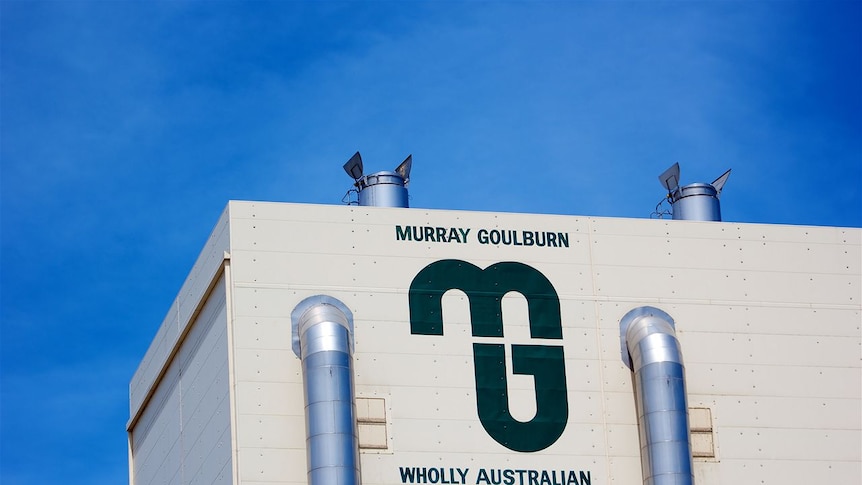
(183, 435)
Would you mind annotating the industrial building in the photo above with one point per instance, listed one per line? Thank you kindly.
(380, 344)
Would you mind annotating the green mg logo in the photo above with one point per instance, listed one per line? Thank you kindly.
(485, 289)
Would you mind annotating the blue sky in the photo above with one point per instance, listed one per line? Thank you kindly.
(125, 127)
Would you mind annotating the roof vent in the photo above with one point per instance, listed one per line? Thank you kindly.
(381, 189)
(693, 202)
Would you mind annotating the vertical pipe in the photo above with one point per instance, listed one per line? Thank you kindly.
(323, 339)
(651, 345)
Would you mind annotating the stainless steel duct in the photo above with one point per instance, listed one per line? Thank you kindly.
(651, 350)
(381, 189)
(323, 339)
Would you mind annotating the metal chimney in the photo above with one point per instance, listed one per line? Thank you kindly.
(381, 189)
(693, 202)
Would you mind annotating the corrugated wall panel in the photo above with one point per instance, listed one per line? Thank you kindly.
(152, 363)
(155, 439)
(183, 434)
(188, 300)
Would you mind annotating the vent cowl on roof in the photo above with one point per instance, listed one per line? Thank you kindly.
(381, 189)
(693, 202)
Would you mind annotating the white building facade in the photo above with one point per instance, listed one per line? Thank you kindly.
(486, 348)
